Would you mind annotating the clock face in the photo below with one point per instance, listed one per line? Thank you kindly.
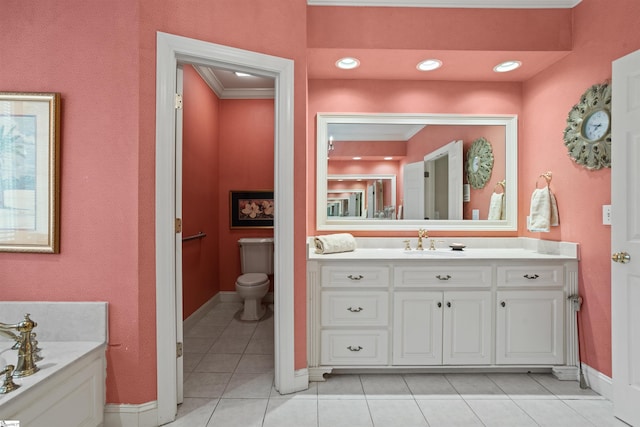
(596, 125)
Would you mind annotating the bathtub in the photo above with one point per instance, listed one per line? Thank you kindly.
(69, 387)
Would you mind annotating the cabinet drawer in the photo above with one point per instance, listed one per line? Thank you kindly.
(355, 275)
(354, 347)
(358, 308)
(531, 275)
(479, 276)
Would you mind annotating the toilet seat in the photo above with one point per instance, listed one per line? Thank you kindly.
(252, 279)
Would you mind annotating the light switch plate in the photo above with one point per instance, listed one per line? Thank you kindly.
(606, 214)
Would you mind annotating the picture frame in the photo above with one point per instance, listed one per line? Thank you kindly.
(251, 209)
(29, 172)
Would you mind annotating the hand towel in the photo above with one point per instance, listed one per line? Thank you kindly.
(554, 221)
(334, 243)
(544, 210)
(496, 206)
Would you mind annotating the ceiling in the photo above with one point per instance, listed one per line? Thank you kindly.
(391, 64)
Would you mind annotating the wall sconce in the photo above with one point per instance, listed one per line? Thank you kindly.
(330, 147)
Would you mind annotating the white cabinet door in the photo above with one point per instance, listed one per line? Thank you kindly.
(434, 328)
(529, 327)
(417, 328)
(467, 328)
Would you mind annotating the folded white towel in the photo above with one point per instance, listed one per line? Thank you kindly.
(333, 243)
(544, 210)
(496, 206)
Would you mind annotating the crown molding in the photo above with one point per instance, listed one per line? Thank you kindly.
(470, 4)
(222, 92)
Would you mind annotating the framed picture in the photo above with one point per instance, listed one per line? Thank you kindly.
(29, 172)
(251, 209)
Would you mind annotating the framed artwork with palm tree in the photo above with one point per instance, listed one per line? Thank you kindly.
(29, 172)
(251, 209)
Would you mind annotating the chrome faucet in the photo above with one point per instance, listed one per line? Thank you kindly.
(25, 345)
(422, 233)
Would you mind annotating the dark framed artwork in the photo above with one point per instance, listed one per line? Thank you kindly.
(29, 172)
(251, 209)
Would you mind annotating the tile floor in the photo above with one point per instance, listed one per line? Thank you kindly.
(228, 368)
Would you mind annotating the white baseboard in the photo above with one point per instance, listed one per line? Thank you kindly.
(126, 415)
(598, 382)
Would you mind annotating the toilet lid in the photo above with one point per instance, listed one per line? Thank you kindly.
(252, 279)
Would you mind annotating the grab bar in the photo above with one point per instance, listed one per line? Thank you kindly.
(200, 235)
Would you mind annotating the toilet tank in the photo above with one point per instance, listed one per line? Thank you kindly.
(256, 255)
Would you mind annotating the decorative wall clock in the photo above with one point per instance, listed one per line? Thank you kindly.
(588, 132)
(479, 163)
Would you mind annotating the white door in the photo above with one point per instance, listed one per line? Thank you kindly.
(178, 281)
(413, 198)
(625, 238)
(466, 337)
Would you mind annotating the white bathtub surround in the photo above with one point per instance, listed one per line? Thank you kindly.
(69, 388)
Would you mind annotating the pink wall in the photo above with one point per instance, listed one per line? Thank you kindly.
(246, 163)
(200, 195)
(88, 51)
(580, 192)
(391, 96)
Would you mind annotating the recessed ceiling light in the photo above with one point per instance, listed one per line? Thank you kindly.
(429, 65)
(357, 158)
(388, 158)
(347, 63)
(241, 74)
(507, 66)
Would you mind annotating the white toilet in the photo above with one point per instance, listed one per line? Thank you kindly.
(256, 259)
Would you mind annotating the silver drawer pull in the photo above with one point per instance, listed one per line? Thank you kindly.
(355, 309)
(354, 348)
(439, 277)
(531, 276)
(358, 277)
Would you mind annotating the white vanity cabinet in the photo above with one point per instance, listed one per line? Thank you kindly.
(487, 309)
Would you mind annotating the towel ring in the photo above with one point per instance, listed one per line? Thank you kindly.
(547, 176)
(500, 184)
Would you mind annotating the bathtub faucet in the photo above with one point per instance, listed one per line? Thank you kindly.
(23, 336)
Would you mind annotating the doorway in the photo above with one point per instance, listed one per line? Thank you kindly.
(172, 50)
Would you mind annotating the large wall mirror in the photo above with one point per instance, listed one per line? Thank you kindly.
(426, 154)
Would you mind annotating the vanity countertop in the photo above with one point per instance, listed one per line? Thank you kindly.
(476, 249)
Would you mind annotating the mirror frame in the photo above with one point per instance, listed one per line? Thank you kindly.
(510, 122)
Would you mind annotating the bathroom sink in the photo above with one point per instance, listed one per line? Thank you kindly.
(437, 253)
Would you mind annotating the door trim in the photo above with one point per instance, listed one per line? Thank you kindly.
(171, 50)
